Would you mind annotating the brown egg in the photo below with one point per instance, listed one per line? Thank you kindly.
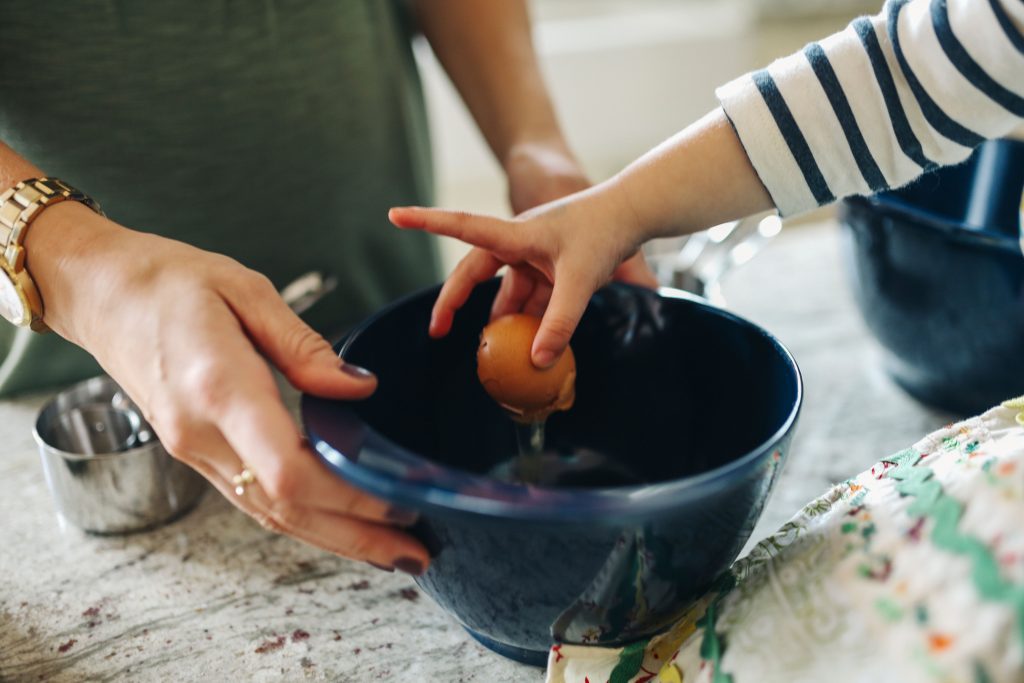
(505, 370)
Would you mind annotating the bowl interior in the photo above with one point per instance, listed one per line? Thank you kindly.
(667, 386)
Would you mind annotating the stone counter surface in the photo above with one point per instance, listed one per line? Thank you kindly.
(215, 597)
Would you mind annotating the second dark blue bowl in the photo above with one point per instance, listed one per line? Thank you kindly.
(944, 298)
(699, 403)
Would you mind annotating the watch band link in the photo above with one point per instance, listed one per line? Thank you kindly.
(19, 206)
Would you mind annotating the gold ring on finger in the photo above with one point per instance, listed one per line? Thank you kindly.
(243, 479)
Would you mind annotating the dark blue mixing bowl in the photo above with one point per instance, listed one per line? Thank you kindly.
(699, 404)
(943, 296)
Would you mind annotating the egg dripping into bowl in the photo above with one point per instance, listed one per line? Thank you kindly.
(527, 393)
(508, 375)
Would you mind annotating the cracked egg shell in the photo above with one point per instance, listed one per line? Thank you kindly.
(509, 376)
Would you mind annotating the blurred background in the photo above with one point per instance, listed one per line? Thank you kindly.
(624, 74)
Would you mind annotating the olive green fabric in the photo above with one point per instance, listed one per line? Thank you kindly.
(277, 132)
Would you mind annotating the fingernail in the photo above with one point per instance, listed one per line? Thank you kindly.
(401, 516)
(381, 567)
(356, 371)
(543, 358)
(409, 566)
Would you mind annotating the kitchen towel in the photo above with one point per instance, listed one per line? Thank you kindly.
(911, 571)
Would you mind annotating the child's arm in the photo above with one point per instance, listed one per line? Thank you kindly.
(871, 107)
(915, 87)
(697, 178)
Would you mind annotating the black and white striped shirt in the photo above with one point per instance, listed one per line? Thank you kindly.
(874, 106)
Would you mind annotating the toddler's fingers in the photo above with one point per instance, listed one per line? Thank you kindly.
(568, 301)
(636, 271)
(538, 301)
(516, 288)
(476, 267)
(494, 234)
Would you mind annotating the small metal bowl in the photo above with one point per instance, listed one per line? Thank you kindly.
(106, 470)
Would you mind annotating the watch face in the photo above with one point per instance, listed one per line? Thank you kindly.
(11, 306)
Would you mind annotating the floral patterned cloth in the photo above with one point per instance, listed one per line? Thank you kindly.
(911, 571)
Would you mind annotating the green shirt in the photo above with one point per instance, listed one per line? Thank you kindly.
(276, 132)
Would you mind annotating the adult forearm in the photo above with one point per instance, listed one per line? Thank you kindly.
(62, 245)
(189, 335)
(487, 50)
(14, 167)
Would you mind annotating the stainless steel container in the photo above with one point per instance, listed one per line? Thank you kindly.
(106, 470)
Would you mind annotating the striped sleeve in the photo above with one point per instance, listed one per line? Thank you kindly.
(874, 106)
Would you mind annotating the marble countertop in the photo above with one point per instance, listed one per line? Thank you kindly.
(215, 597)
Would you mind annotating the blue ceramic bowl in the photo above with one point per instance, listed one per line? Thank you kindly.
(698, 404)
(944, 298)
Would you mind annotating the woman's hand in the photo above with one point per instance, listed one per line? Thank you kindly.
(568, 248)
(189, 335)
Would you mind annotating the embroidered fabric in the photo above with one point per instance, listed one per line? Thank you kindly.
(911, 571)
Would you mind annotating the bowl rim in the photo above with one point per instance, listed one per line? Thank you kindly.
(454, 491)
(96, 388)
(917, 217)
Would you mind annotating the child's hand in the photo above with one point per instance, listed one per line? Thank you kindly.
(569, 248)
(540, 174)
(698, 178)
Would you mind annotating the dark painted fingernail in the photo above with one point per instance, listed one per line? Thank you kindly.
(356, 371)
(401, 516)
(381, 567)
(409, 566)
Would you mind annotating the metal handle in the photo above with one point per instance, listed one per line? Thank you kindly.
(697, 263)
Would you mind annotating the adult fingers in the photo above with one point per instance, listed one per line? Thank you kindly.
(476, 267)
(378, 544)
(259, 429)
(357, 539)
(302, 355)
(225, 391)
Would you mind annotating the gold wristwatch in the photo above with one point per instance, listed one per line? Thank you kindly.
(20, 302)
